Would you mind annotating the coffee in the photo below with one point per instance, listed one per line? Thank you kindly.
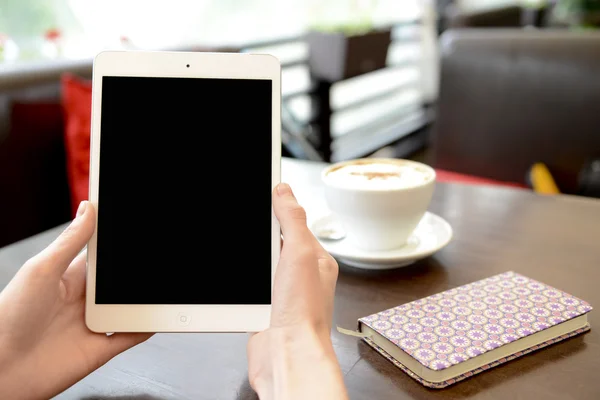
(379, 175)
(378, 201)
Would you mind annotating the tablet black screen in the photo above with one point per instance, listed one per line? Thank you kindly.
(184, 206)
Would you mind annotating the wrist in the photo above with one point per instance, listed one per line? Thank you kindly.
(9, 378)
(297, 362)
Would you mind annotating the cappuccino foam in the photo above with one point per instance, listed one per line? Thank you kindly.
(379, 175)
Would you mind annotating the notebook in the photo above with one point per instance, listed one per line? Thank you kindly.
(450, 336)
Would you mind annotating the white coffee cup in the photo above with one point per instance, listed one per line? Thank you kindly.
(378, 201)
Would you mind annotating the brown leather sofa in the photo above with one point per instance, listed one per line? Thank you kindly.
(513, 97)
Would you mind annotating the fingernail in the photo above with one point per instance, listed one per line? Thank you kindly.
(81, 209)
(283, 189)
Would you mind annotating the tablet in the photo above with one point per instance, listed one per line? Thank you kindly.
(185, 152)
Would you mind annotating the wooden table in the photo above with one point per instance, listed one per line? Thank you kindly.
(552, 239)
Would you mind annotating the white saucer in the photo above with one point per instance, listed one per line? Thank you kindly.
(431, 235)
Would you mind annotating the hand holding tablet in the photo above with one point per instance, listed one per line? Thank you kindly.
(294, 358)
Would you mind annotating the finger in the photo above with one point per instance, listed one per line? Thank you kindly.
(289, 205)
(291, 215)
(74, 277)
(328, 274)
(328, 266)
(320, 250)
(58, 255)
(328, 269)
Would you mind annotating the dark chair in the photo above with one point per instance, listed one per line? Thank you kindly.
(509, 16)
(513, 97)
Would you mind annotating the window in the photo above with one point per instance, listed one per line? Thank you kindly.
(49, 29)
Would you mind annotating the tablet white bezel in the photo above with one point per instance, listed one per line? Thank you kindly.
(179, 318)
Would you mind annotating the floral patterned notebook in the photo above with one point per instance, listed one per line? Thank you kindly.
(450, 336)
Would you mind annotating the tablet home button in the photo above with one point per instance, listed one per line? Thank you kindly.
(183, 319)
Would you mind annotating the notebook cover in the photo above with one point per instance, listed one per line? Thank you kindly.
(453, 326)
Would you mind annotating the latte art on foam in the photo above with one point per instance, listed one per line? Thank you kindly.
(379, 175)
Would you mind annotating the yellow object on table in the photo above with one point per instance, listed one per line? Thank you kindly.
(541, 180)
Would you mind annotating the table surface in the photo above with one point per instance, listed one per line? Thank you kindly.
(551, 239)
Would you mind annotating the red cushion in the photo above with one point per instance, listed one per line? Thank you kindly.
(449, 176)
(77, 104)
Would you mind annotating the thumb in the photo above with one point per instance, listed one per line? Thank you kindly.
(290, 214)
(58, 255)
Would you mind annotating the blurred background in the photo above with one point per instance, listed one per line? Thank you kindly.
(489, 92)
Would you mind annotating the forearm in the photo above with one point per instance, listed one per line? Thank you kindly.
(300, 367)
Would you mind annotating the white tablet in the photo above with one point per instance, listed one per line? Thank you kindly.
(185, 152)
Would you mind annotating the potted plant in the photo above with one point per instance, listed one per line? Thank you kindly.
(341, 50)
